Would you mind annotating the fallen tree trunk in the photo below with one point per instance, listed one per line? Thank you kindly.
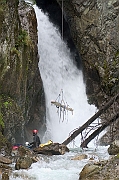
(93, 118)
(98, 131)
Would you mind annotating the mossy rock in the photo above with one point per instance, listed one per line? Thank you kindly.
(88, 171)
(5, 145)
(113, 149)
(23, 163)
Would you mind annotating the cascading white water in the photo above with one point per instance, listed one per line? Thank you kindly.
(59, 72)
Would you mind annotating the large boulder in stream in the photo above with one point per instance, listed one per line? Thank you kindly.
(102, 170)
(88, 170)
(23, 163)
(52, 149)
(25, 157)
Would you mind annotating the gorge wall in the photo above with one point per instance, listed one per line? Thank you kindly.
(22, 103)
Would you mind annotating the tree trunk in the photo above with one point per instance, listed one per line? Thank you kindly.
(84, 126)
(98, 131)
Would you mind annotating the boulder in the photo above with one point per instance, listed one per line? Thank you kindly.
(52, 149)
(80, 157)
(4, 171)
(5, 160)
(114, 148)
(25, 157)
(88, 170)
(5, 146)
(101, 170)
(5, 176)
(23, 151)
(23, 163)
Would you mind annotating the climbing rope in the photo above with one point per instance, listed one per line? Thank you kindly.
(62, 19)
(62, 36)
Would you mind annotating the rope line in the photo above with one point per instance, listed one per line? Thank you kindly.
(62, 17)
(62, 73)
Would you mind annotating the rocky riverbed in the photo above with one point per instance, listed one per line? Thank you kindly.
(22, 158)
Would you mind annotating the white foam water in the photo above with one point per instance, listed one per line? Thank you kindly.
(60, 167)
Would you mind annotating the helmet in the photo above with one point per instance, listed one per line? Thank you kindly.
(27, 143)
(15, 147)
(35, 131)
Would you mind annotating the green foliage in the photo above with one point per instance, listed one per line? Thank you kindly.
(1, 17)
(2, 2)
(32, 1)
(1, 11)
(23, 39)
(7, 104)
(2, 8)
(117, 54)
(15, 51)
(117, 156)
(1, 120)
(3, 105)
(110, 77)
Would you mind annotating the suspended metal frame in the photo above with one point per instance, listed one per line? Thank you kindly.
(62, 106)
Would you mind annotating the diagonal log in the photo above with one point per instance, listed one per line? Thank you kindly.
(98, 131)
(93, 118)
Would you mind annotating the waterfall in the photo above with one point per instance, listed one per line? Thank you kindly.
(59, 72)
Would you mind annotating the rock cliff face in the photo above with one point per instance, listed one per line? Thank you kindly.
(21, 93)
(94, 26)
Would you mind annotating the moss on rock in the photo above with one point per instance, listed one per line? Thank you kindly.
(5, 146)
